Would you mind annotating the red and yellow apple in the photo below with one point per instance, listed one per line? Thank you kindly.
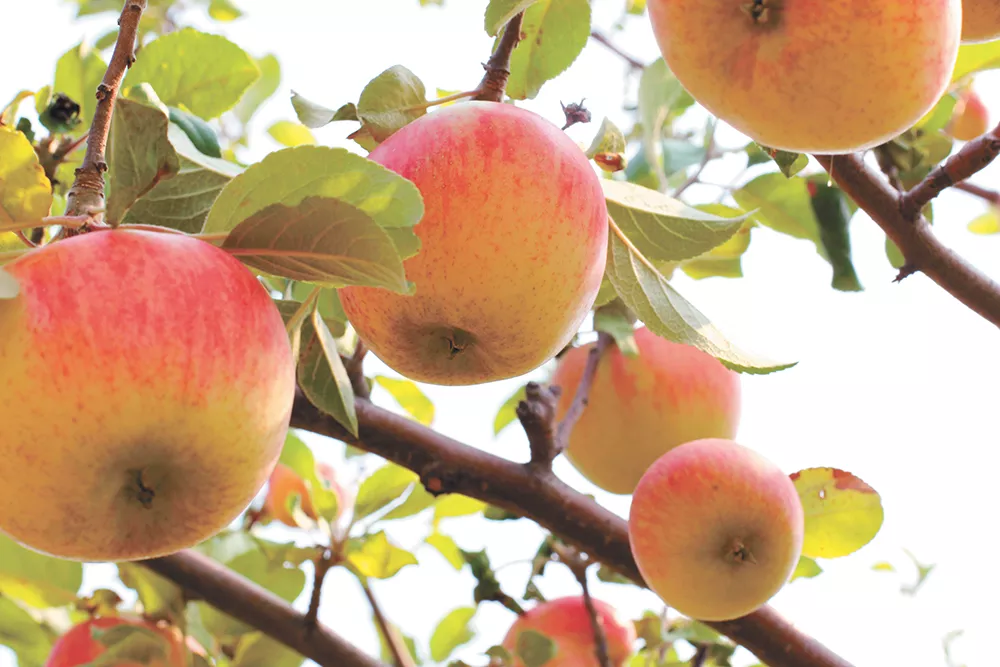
(970, 118)
(285, 483)
(716, 529)
(640, 407)
(78, 646)
(566, 622)
(146, 386)
(980, 20)
(514, 243)
(812, 75)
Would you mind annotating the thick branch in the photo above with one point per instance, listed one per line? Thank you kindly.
(537, 414)
(915, 239)
(494, 83)
(245, 601)
(397, 647)
(448, 466)
(87, 193)
(633, 63)
(972, 158)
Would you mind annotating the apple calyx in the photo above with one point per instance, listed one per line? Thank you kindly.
(143, 493)
(739, 552)
(759, 11)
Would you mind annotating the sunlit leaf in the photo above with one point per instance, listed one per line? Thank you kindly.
(987, 223)
(499, 12)
(315, 115)
(393, 99)
(554, 32)
(446, 546)
(410, 398)
(258, 650)
(160, 597)
(374, 556)
(451, 632)
(842, 513)
(296, 455)
(507, 414)
(78, 73)
(23, 634)
(35, 579)
(383, 487)
(287, 133)
(25, 191)
(806, 568)
(261, 90)
(322, 374)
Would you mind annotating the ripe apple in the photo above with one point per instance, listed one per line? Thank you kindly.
(566, 622)
(980, 20)
(812, 75)
(79, 647)
(640, 407)
(514, 243)
(716, 529)
(971, 118)
(284, 482)
(146, 386)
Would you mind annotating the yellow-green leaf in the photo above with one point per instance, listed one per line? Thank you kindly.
(35, 579)
(974, 58)
(78, 73)
(842, 513)
(322, 374)
(987, 223)
(382, 487)
(447, 548)
(393, 99)
(454, 505)
(287, 133)
(806, 568)
(507, 413)
(499, 12)
(410, 398)
(25, 191)
(451, 632)
(554, 33)
(374, 556)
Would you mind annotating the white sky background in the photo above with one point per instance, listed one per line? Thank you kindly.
(895, 384)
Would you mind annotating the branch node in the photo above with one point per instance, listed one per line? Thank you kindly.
(537, 414)
(494, 83)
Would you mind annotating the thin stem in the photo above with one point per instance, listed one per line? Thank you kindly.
(444, 100)
(213, 237)
(582, 396)
(400, 654)
(321, 567)
(992, 196)
(494, 83)
(153, 228)
(87, 192)
(355, 370)
(705, 159)
(24, 239)
(577, 564)
(632, 62)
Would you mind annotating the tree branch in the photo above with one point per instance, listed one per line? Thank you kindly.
(915, 239)
(448, 466)
(973, 157)
(494, 83)
(578, 565)
(321, 566)
(87, 193)
(355, 371)
(401, 655)
(247, 602)
(991, 196)
(633, 63)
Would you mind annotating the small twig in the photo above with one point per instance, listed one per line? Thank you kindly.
(633, 63)
(972, 158)
(87, 193)
(24, 239)
(400, 654)
(705, 159)
(494, 83)
(700, 656)
(992, 196)
(321, 567)
(355, 371)
(537, 414)
(582, 396)
(578, 565)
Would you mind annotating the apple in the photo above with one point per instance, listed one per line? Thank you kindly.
(812, 76)
(566, 622)
(716, 529)
(980, 20)
(146, 386)
(79, 647)
(970, 118)
(514, 243)
(284, 483)
(640, 407)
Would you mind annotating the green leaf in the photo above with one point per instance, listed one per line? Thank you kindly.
(377, 558)
(9, 287)
(615, 319)
(78, 73)
(390, 101)
(833, 215)
(258, 650)
(160, 597)
(140, 154)
(507, 414)
(660, 98)
(499, 12)
(781, 203)
(291, 175)
(663, 228)
(451, 632)
(554, 33)
(183, 201)
(790, 164)
(315, 115)
(381, 488)
(319, 240)
(609, 139)
(446, 546)
(25, 190)
(416, 502)
(322, 375)
(456, 505)
(883, 566)
(262, 89)
(666, 313)
(987, 223)
(534, 648)
(35, 579)
(200, 133)
(202, 73)
(842, 513)
(806, 568)
(606, 574)
(725, 260)
(23, 634)
(974, 58)
(296, 455)
(224, 10)
(129, 644)
(410, 398)
(385, 651)
(287, 133)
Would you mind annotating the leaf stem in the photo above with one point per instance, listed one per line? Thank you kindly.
(444, 100)
(400, 654)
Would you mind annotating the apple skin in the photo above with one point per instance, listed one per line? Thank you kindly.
(78, 647)
(514, 244)
(131, 352)
(812, 76)
(284, 482)
(567, 623)
(980, 20)
(640, 407)
(971, 118)
(716, 529)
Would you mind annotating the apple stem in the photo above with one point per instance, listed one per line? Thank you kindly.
(494, 83)
(87, 193)
(401, 655)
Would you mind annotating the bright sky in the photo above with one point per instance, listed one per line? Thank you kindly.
(895, 384)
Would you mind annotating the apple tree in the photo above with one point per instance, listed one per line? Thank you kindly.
(185, 330)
